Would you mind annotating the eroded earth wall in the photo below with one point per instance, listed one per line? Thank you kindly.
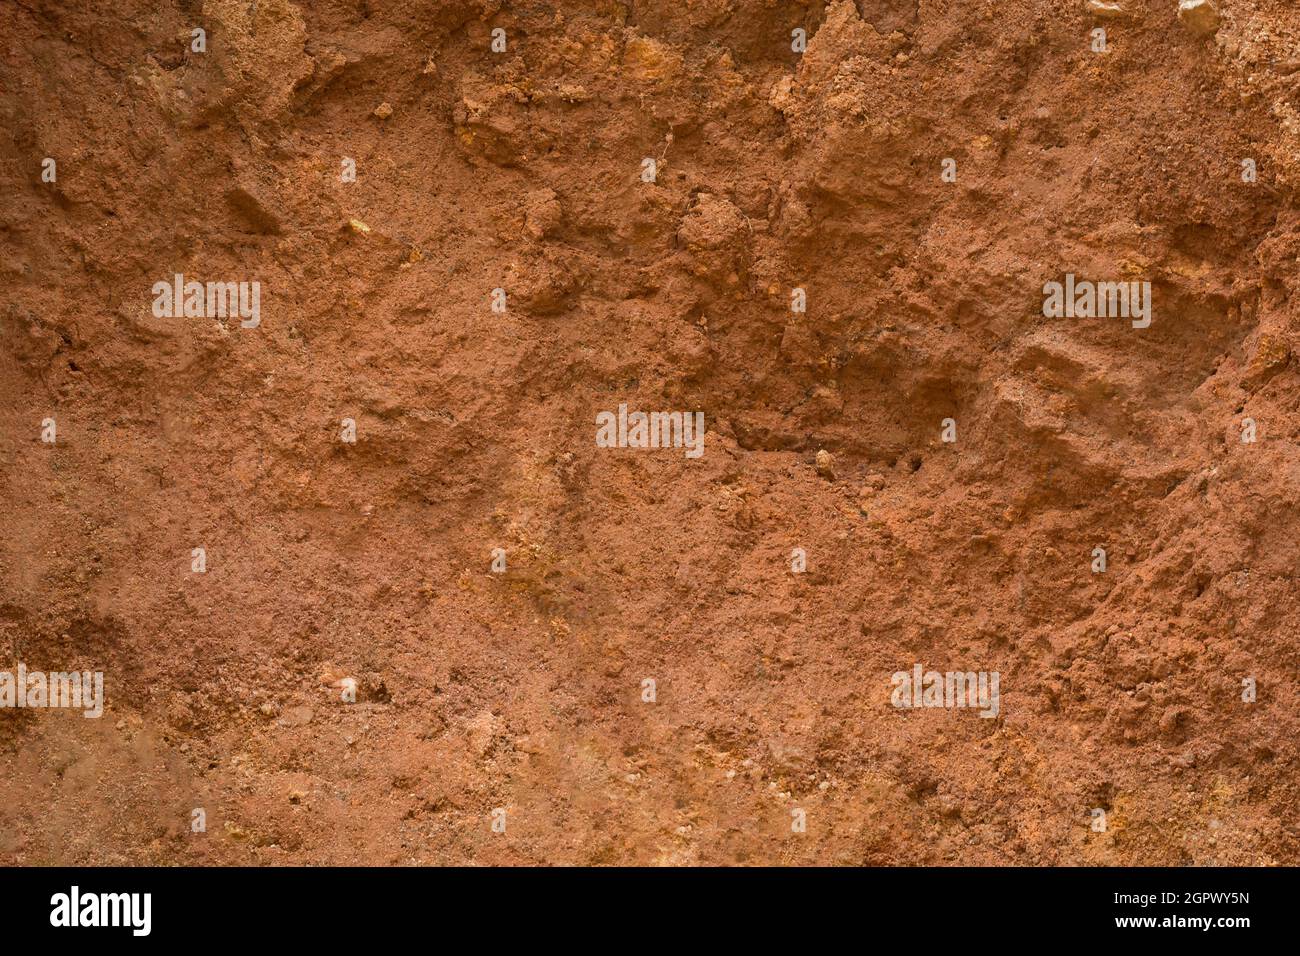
(385, 481)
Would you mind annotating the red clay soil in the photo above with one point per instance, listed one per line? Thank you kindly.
(1124, 691)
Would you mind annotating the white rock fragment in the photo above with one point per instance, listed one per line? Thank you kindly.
(1103, 10)
(1199, 16)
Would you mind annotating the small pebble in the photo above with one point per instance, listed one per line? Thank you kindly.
(1105, 11)
(826, 464)
(1199, 16)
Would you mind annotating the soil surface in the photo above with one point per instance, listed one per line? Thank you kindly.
(828, 537)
